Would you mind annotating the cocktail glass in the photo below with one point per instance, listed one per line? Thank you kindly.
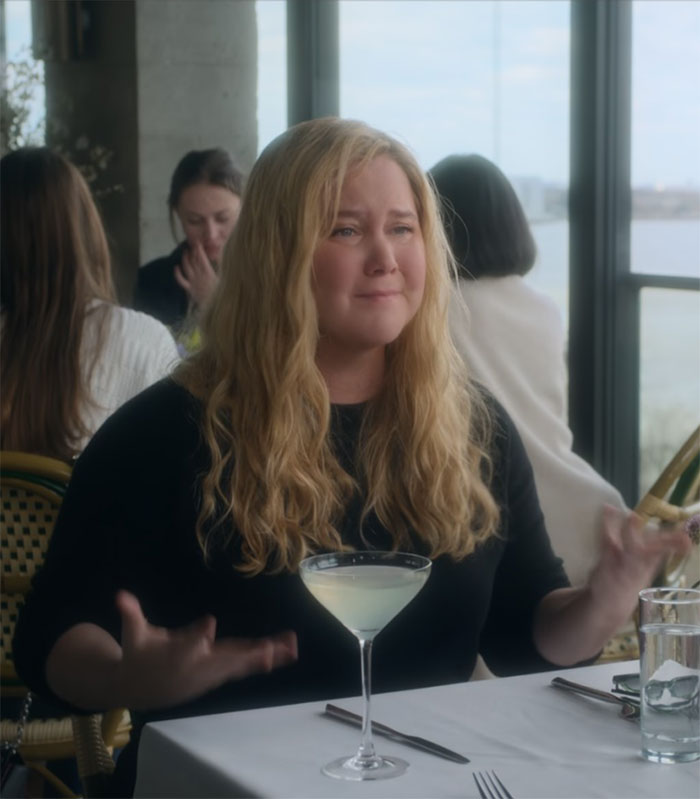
(364, 591)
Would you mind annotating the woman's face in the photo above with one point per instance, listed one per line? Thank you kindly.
(369, 274)
(208, 214)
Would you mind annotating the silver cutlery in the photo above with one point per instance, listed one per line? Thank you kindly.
(489, 786)
(629, 708)
(382, 729)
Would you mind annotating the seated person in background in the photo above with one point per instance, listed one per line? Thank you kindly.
(513, 342)
(327, 409)
(70, 354)
(205, 196)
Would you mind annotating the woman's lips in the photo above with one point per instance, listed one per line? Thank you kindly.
(378, 295)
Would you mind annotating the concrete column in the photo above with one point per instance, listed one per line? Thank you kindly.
(147, 80)
(90, 79)
(197, 88)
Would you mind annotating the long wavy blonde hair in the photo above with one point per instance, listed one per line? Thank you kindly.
(54, 263)
(274, 475)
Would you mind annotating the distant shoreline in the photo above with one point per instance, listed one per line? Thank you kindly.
(545, 201)
(637, 216)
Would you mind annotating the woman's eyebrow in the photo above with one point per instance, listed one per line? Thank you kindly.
(403, 214)
(395, 213)
(350, 213)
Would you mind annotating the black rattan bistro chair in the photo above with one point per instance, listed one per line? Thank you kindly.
(31, 492)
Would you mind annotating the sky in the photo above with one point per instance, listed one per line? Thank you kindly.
(454, 76)
(488, 76)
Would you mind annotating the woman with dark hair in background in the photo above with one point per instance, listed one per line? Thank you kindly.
(513, 342)
(70, 354)
(205, 196)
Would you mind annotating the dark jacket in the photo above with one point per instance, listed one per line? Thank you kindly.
(158, 293)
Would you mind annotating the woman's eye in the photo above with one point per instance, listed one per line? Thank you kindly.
(403, 230)
(343, 232)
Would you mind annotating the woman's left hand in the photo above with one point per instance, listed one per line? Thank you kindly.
(573, 624)
(631, 555)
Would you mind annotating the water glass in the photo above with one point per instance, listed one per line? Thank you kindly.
(669, 633)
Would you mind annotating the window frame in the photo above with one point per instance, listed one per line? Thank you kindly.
(313, 60)
(604, 294)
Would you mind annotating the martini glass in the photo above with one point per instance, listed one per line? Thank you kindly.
(364, 591)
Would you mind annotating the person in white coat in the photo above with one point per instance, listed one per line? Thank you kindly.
(70, 354)
(512, 338)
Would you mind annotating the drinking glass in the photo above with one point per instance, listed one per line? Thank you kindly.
(364, 591)
(669, 632)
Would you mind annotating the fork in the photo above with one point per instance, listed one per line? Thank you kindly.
(489, 786)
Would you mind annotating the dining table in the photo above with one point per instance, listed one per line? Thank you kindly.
(540, 740)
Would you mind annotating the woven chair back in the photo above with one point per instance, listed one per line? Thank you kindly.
(31, 492)
(675, 497)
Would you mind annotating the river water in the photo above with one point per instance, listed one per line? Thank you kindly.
(670, 327)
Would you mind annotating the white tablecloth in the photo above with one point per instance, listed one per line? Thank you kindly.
(541, 741)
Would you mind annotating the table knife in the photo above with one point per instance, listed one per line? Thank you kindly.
(630, 707)
(381, 729)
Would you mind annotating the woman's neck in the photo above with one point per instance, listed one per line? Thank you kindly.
(352, 378)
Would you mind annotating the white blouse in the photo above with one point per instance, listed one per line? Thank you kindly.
(138, 350)
(512, 339)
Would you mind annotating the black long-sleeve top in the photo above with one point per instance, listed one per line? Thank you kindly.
(158, 293)
(128, 520)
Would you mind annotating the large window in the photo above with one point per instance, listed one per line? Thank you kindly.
(665, 228)
(272, 69)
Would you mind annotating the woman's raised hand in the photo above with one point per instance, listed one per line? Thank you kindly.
(573, 624)
(631, 555)
(162, 667)
(196, 275)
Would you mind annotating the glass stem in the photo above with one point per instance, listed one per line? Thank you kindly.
(366, 750)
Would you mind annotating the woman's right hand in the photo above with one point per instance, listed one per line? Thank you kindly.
(155, 667)
(162, 667)
(196, 275)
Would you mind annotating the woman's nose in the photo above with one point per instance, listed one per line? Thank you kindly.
(381, 257)
(210, 231)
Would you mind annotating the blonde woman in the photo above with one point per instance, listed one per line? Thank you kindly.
(70, 354)
(327, 409)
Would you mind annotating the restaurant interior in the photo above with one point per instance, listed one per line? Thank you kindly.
(124, 88)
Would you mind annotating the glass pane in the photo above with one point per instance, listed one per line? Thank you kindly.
(665, 236)
(23, 119)
(665, 137)
(272, 69)
(472, 76)
(669, 376)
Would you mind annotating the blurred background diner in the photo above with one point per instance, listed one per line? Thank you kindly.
(204, 201)
(512, 338)
(70, 354)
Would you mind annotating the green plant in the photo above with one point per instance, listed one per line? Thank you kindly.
(19, 127)
(23, 124)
